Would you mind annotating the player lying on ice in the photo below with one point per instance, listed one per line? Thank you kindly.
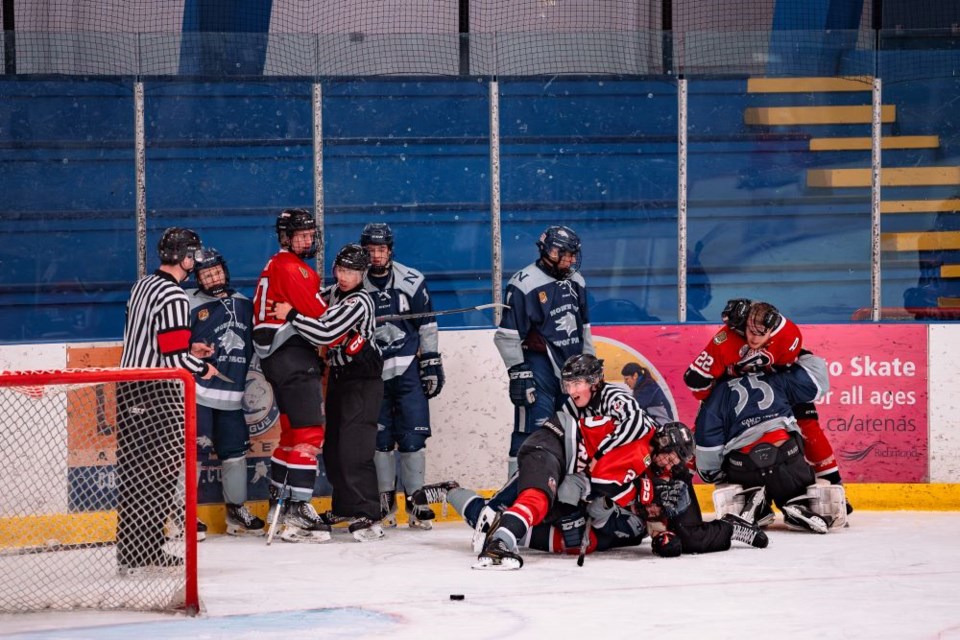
(661, 503)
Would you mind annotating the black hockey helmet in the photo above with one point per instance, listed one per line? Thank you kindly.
(565, 241)
(178, 243)
(673, 437)
(353, 256)
(378, 233)
(763, 318)
(292, 220)
(734, 315)
(582, 367)
(210, 258)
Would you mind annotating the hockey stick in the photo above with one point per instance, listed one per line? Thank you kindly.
(585, 542)
(445, 312)
(276, 514)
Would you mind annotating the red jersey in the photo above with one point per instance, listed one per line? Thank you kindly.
(286, 278)
(728, 349)
(615, 472)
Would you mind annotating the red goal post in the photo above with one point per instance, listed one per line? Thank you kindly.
(98, 496)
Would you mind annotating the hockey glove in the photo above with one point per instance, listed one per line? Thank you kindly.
(573, 489)
(523, 392)
(672, 496)
(600, 509)
(431, 374)
(715, 476)
(572, 528)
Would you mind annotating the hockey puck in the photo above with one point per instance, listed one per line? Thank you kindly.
(457, 596)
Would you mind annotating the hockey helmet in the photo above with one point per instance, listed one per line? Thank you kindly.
(292, 220)
(353, 256)
(210, 258)
(178, 243)
(734, 315)
(582, 367)
(378, 233)
(763, 318)
(566, 242)
(673, 437)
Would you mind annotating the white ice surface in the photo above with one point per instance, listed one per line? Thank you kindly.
(890, 575)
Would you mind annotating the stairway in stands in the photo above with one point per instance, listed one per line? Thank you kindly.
(932, 247)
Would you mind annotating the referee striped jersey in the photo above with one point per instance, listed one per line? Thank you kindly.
(157, 329)
(612, 401)
(350, 313)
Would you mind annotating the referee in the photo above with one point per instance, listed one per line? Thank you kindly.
(150, 438)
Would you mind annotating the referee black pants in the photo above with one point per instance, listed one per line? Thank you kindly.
(352, 407)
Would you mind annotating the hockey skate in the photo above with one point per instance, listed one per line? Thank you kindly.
(149, 563)
(756, 508)
(241, 522)
(486, 519)
(419, 513)
(302, 524)
(746, 532)
(173, 530)
(497, 554)
(366, 530)
(800, 518)
(388, 509)
(335, 522)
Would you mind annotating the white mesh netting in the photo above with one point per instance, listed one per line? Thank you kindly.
(93, 492)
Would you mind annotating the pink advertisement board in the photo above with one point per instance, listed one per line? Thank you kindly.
(875, 414)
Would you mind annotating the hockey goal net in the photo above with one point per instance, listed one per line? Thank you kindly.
(98, 490)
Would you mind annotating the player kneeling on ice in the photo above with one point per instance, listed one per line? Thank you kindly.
(746, 434)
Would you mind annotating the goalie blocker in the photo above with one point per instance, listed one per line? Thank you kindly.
(824, 499)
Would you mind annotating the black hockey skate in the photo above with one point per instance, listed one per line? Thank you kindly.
(302, 524)
(756, 508)
(497, 554)
(335, 522)
(241, 522)
(366, 530)
(800, 518)
(141, 563)
(746, 532)
(419, 513)
(388, 509)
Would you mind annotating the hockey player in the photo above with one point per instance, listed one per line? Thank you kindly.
(412, 374)
(757, 337)
(354, 391)
(223, 318)
(647, 392)
(293, 368)
(546, 324)
(593, 450)
(674, 519)
(747, 434)
(156, 334)
(611, 525)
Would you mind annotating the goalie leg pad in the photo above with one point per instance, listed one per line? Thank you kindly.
(728, 498)
(830, 501)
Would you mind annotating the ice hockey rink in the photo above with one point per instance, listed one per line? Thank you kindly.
(888, 575)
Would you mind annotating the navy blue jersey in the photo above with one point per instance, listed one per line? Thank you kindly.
(226, 324)
(402, 290)
(545, 315)
(741, 410)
